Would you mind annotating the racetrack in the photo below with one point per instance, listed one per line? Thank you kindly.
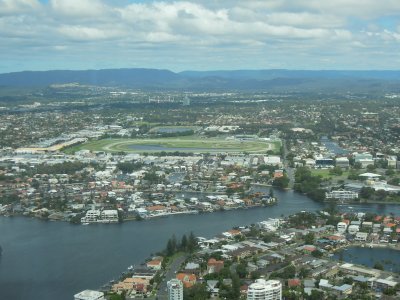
(182, 144)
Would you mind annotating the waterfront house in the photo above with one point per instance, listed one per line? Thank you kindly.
(381, 284)
(154, 264)
(361, 236)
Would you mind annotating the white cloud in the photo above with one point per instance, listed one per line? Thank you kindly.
(79, 8)
(228, 29)
(10, 7)
(83, 33)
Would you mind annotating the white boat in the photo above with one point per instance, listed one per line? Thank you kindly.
(85, 223)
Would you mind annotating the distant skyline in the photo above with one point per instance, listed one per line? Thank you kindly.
(199, 35)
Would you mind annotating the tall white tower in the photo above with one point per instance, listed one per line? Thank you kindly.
(186, 101)
(265, 290)
(175, 289)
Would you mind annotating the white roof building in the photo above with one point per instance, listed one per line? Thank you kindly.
(89, 295)
(265, 290)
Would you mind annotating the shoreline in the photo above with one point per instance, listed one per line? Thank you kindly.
(161, 215)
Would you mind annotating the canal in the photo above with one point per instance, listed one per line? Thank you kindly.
(387, 257)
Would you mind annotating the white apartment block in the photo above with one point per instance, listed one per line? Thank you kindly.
(175, 289)
(265, 290)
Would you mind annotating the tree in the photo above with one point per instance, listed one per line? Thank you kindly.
(289, 272)
(255, 275)
(304, 272)
(316, 295)
(129, 167)
(317, 254)
(241, 270)
(378, 266)
(309, 238)
(196, 292)
(366, 192)
(171, 246)
(192, 242)
(235, 291)
(271, 193)
(348, 280)
(390, 291)
(281, 182)
(184, 243)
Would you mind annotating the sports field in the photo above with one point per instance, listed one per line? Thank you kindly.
(182, 144)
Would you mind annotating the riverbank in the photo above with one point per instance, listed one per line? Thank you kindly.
(385, 256)
(247, 247)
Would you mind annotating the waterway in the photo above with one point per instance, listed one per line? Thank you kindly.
(389, 258)
(333, 147)
(54, 260)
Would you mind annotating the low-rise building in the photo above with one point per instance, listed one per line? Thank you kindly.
(89, 295)
(342, 195)
(361, 236)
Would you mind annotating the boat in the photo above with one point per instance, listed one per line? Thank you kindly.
(130, 268)
(85, 223)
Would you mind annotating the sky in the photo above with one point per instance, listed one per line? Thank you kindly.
(199, 35)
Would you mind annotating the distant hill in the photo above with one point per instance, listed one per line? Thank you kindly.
(107, 77)
(281, 73)
(237, 80)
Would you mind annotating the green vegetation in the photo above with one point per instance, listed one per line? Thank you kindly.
(187, 244)
(198, 291)
(308, 184)
(129, 167)
(336, 173)
(281, 182)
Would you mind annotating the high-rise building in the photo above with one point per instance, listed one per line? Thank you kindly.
(265, 290)
(175, 289)
(186, 101)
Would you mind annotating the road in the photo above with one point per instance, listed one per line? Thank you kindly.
(289, 170)
(170, 273)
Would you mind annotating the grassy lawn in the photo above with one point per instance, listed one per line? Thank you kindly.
(184, 144)
(324, 173)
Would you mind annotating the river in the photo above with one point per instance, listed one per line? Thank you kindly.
(389, 258)
(54, 260)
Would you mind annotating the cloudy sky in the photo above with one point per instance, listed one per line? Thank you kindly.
(199, 35)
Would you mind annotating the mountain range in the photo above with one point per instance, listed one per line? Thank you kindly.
(235, 80)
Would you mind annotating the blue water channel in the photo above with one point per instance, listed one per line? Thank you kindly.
(54, 260)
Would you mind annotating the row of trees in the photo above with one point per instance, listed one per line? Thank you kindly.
(63, 168)
(129, 167)
(186, 244)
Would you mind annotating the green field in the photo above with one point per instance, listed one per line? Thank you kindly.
(324, 173)
(182, 144)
